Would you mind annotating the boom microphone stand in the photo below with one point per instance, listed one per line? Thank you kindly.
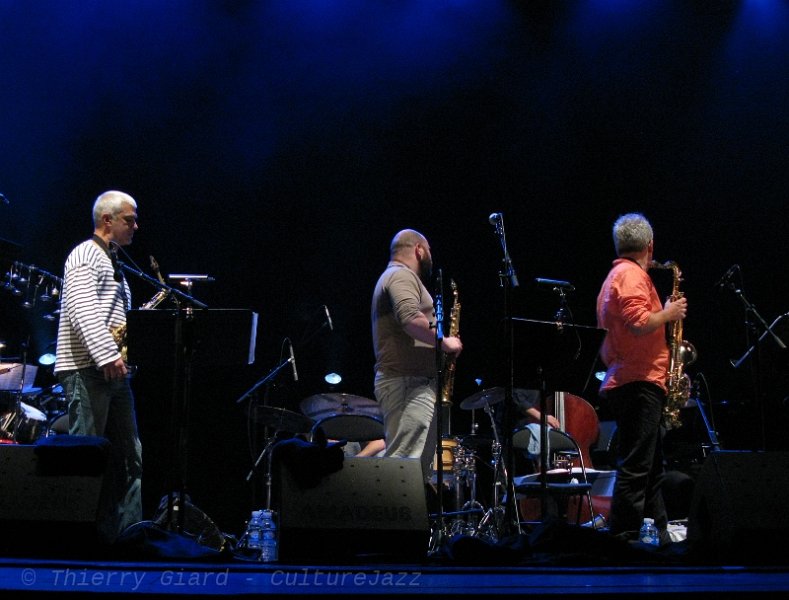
(752, 317)
(507, 280)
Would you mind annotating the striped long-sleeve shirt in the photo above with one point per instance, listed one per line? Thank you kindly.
(92, 304)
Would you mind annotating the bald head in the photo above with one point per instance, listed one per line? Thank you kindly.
(412, 249)
(404, 241)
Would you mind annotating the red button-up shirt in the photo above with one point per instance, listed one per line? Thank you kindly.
(626, 299)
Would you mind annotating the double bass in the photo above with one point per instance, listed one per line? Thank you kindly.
(578, 419)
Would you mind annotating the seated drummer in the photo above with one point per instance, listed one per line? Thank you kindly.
(528, 402)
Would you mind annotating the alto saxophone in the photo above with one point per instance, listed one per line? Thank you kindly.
(119, 333)
(681, 354)
(454, 328)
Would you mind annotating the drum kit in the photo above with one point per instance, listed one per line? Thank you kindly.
(460, 456)
(354, 418)
(27, 413)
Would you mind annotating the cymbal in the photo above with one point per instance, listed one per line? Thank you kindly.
(495, 395)
(323, 405)
(282, 418)
(482, 398)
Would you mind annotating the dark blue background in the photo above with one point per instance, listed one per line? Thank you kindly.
(277, 146)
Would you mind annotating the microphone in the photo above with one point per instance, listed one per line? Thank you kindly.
(494, 219)
(117, 265)
(727, 276)
(3, 199)
(556, 283)
(293, 362)
(328, 318)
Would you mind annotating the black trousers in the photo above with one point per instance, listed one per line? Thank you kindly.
(640, 471)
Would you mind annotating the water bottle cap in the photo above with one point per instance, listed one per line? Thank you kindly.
(648, 520)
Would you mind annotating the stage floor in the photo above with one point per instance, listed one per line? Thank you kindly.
(47, 577)
(554, 562)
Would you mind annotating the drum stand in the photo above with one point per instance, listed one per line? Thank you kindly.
(465, 472)
(492, 524)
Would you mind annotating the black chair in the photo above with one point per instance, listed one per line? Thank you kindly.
(560, 484)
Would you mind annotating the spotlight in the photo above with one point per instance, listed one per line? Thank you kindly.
(332, 378)
(46, 359)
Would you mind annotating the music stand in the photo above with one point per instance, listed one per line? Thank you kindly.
(552, 356)
(176, 340)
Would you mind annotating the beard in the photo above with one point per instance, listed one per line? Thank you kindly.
(426, 269)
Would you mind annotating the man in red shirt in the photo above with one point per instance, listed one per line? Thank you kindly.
(636, 356)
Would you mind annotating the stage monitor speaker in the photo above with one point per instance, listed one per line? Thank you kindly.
(60, 509)
(738, 512)
(372, 506)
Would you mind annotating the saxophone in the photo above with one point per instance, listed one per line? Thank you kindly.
(681, 354)
(119, 333)
(454, 329)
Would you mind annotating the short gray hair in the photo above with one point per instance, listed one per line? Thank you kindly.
(632, 233)
(111, 202)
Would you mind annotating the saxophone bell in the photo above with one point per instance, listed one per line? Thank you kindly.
(655, 264)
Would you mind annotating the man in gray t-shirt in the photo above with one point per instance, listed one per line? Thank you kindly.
(404, 338)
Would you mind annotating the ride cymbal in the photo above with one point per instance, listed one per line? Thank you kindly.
(495, 395)
(483, 398)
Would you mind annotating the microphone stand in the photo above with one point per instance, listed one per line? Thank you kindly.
(190, 300)
(267, 448)
(508, 280)
(755, 349)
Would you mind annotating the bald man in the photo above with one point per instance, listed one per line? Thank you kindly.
(404, 337)
(89, 364)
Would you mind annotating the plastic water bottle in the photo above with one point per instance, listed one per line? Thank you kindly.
(649, 533)
(254, 534)
(268, 541)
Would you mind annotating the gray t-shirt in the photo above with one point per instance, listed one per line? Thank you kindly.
(399, 297)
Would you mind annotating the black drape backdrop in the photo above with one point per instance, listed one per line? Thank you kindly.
(278, 146)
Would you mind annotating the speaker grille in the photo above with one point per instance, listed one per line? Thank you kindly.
(370, 506)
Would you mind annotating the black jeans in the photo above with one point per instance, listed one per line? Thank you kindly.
(638, 409)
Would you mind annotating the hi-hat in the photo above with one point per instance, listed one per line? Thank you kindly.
(282, 419)
(322, 405)
(495, 395)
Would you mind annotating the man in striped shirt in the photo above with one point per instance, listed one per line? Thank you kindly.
(89, 363)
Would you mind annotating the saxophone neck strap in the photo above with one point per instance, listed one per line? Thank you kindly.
(112, 253)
